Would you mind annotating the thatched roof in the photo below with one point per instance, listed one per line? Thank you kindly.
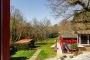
(83, 32)
(24, 41)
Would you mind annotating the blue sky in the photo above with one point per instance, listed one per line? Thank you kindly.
(34, 8)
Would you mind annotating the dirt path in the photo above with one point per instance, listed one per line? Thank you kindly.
(35, 55)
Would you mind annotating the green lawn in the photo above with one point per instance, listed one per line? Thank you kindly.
(47, 51)
(23, 54)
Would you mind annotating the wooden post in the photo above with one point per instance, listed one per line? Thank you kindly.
(79, 38)
(1, 25)
(5, 29)
(87, 38)
(71, 43)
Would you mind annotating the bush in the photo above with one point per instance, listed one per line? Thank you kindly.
(64, 56)
(74, 46)
(12, 49)
(23, 46)
(71, 56)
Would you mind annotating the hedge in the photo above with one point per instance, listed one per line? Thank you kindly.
(23, 46)
(12, 49)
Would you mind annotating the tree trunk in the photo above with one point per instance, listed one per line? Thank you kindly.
(37, 38)
(19, 37)
(41, 37)
(41, 41)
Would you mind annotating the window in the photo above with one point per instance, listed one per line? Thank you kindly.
(83, 39)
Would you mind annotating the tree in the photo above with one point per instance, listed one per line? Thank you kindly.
(21, 30)
(81, 21)
(61, 7)
(72, 8)
(65, 27)
(29, 29)
(41, 29)
(16, 17)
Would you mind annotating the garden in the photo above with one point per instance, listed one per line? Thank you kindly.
(20, 51)
(23, 50)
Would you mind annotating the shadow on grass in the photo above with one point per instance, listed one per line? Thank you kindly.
(18, 58)
(35, 46)
(12, 52)
(43, 43)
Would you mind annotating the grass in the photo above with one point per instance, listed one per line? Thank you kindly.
(23, 54)
(47, 51)
(43, 54)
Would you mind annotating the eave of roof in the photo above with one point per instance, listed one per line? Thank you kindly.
(24, 41)
(83, 32)
(69, 36)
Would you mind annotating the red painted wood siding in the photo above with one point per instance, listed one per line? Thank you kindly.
(67, 39)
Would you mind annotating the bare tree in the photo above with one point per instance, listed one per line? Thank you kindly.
(29, 29)
(70, 8)
(62, 7)
(41, 28)
(81, 21)
(20, 30)
(65, 27)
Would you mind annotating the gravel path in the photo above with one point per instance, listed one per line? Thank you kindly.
(85, 56)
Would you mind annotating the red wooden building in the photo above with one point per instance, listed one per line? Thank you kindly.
(69, 39)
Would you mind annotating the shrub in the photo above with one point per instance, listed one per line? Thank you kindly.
(23, 46)
(71, 56)
(74, 46)
(12, 49)
(64, 56)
